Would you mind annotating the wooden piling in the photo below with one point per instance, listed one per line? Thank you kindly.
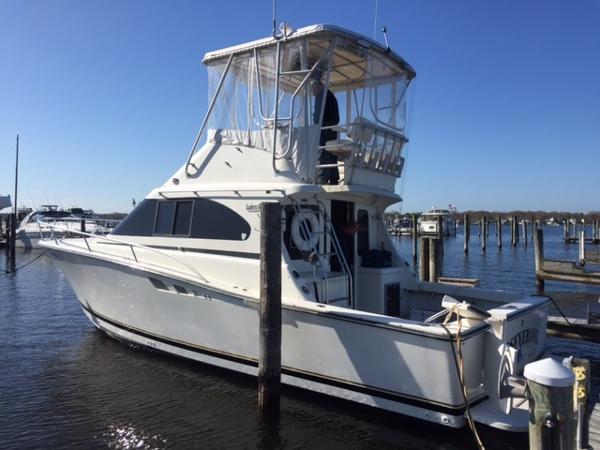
(467, 232)
(434, 255)
(269, 357)
(551, 413)
(525, 232)
(581, 370)
(499, 231)
(484, 232)
(513, 239)
(415, 234)
(538, 248)
(424, 259)
(582, 248)
(566, 230)
(13, 228)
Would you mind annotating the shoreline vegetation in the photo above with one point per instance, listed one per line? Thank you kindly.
(554, 216)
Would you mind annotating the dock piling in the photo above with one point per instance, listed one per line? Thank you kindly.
(499, 231)
(434, 259)
(424, 259)
(269, 358)
(415, 234)
(538, 247)
(484, 232)
(551, 412)
(525, 232)
(467, 232)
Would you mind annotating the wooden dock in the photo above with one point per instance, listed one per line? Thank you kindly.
(582, 311)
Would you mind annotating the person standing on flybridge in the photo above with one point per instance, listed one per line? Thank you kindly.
(331, 117)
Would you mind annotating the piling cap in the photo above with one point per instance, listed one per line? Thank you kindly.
(549, 372)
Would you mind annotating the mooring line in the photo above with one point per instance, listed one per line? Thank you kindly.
(24, 265)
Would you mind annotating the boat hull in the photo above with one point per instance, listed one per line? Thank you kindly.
(391, 369)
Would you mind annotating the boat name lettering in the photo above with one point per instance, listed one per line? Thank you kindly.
(524, 337)
(252, 207)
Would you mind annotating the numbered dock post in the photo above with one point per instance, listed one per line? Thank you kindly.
(467, 232)
(415, 234)
(269, 357)
(538, 248)
(551, 414)
(424, 259)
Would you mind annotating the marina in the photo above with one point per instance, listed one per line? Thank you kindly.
(276, 286)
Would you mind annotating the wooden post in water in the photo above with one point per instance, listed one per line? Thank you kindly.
(566, 230)
(551, 412)
(538, 248)
(467, 232)
(581, 370)
(415, 234)
(582, 248)
(499, 231)
(269, 357)
(513, 238)
(424, 259)
(13, 226)
(525, 232)
(434, 255)
(484, 232)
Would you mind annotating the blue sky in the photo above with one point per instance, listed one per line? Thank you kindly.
(108, 95)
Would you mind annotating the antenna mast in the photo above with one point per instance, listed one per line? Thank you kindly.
(274, 17)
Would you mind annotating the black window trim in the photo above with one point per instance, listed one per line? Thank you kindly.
(172, 227)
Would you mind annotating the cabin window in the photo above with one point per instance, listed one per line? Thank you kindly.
(183, 218)
(212, 220)
(140, 221)
(164, 218)
(199, 218)
(363, 232)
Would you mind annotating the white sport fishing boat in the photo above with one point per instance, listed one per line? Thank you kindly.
(181, 273)
(49, 221)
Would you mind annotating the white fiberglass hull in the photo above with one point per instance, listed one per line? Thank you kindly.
(396, 370)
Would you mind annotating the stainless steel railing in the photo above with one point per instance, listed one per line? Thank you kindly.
(131, 245)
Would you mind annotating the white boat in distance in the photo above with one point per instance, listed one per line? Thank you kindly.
(181, 273)
(56, 224)
(430, 221)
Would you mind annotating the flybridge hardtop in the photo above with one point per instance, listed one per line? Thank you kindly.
(320, 31)
(265, 95)
(314, 121)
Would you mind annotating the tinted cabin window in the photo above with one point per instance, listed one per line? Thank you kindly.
(198, 218)
(140, 221)
(363, 231)
(183, 218)
(165, 218)
(213, 220)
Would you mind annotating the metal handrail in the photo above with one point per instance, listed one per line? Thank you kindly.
(208, 113)
(337, 249)
(131, 246)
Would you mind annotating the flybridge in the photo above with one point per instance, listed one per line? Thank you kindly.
(267, 95)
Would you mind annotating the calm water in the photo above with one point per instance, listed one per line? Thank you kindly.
(63, 384)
